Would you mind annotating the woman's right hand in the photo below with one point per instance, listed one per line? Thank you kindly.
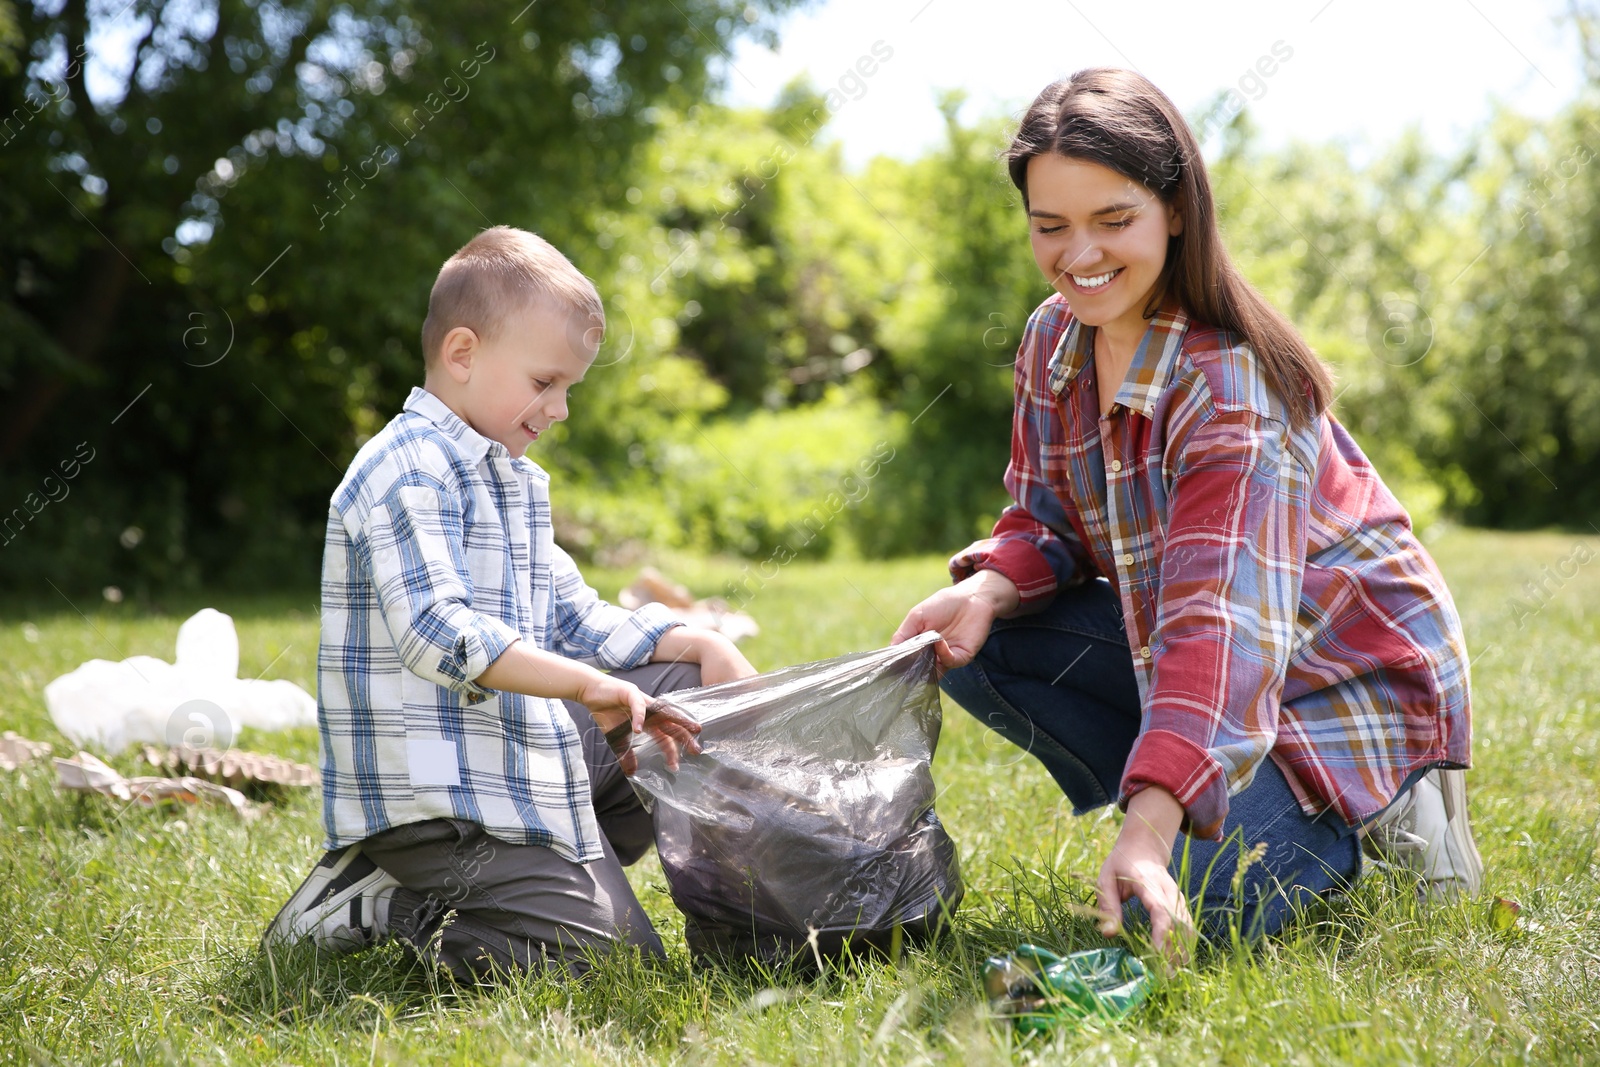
(962, 614)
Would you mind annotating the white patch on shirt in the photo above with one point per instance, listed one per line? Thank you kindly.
(433, 762)
(541, 766)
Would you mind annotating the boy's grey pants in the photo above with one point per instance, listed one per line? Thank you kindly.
(518, 907)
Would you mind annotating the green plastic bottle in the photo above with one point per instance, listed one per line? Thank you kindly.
(1040, 990)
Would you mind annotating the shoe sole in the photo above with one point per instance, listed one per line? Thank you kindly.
(1453, 784)
(326, 882)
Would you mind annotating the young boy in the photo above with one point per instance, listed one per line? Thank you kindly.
(454, 778)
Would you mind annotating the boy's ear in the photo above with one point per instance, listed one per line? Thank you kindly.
(456, 352)
(585, 335)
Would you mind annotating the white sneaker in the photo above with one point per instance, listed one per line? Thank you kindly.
(338, 905)
(1426, 831)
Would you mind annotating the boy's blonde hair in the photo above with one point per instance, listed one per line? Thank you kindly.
(498, 273)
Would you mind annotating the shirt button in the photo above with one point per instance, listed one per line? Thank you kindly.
(1144, 652)
(1127, 560)
(1116, 464)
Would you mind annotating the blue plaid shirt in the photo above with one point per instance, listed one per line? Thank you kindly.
(439, 555)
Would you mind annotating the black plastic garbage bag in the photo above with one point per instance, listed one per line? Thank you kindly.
(808, 820)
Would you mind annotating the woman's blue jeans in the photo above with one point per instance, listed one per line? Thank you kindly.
(1060, 685)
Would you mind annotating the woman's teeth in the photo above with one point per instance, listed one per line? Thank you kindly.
(1095, 281)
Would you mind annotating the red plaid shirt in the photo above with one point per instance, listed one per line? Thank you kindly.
(1275, 598)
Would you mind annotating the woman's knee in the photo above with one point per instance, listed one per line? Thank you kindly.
(1256, 880)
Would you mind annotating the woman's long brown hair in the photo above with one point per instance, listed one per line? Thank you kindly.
(1118, 119)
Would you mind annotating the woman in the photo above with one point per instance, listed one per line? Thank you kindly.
(1204, 603)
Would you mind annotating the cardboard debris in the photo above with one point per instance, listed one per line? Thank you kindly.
(15, 751)
(85, 774)
(652, 587)
(234, 768)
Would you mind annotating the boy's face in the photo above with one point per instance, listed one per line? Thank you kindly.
(513, 388)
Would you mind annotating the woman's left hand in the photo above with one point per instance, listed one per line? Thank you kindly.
(1138, 867)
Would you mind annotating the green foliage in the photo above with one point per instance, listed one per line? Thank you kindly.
(10, 37)
(223, 303)
(774, 480)
(1452, 297)
(955, 336)
(762, 279)
(245, 232)
(778, 485)
(791, 277)
(1526, 370)
(1357, 260)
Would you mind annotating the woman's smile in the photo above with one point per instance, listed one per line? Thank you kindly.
(1094, 283)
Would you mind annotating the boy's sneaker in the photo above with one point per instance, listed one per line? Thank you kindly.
(1426, 831)
(337, 906)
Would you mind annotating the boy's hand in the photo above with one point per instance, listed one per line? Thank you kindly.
(619, 708)
(719, 659)
(611, 700)
(673, 730)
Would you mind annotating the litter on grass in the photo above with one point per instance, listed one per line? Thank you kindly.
(652, 587)
(251, 772)
(1039, 990)
(806, 822)
(85, 774)
(15, 751)
(199, 700)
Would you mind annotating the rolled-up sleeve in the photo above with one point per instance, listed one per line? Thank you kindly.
(1034, 543)
(586, 628)
(1232, 567)
(415, 543)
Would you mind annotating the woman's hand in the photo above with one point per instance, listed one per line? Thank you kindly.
(962, 614)
(1137, 867)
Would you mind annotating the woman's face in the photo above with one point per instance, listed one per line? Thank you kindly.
(1099, 237)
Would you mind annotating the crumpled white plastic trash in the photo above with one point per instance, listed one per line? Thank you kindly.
(199, 700)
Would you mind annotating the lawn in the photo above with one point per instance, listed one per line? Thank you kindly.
(130, 936)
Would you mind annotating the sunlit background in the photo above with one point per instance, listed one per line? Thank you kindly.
(221, 221)
(1360, 71)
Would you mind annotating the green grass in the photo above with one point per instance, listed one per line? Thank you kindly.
(130, 935)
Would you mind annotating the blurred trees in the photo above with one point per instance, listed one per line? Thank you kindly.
(954, 337)
(801, 359)
(219, 223)
(1522, 417)
(1453, 295)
